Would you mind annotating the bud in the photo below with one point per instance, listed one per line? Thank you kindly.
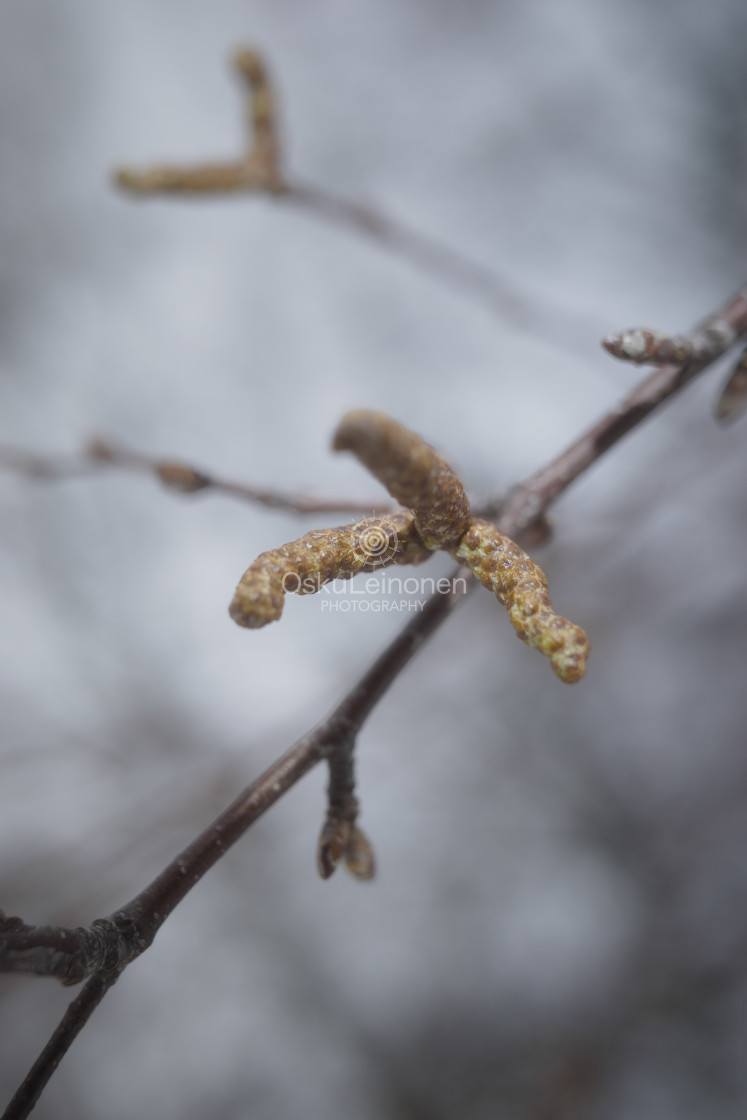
(178, 477)
(359, 856)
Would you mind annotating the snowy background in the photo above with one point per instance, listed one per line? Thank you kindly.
(559, 924)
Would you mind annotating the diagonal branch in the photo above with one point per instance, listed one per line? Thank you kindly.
(104, 949)
(541, 490)
(72, 1022)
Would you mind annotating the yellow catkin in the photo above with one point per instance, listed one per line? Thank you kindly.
(303, 566)
(438, 517)
(261, 109)
(413, 473)
(258, 169)
(521, 586)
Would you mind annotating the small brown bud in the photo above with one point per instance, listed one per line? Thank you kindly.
(179, 477)
(333, 843)
(644, 346)
(359, 856)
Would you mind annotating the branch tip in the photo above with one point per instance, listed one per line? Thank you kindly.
(648, 347)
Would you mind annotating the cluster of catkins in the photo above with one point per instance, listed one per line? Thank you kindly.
(436, 515)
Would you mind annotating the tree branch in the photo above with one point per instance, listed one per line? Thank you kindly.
(541, 490)
(261, 170)
(75, 1018)
(173, 474)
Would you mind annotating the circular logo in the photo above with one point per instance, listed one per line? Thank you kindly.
(378, 543)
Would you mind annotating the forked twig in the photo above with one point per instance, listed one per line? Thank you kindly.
(261, 170)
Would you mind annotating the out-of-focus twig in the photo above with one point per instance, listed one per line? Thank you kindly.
(173, 474)
(257, 170)
(262, 170)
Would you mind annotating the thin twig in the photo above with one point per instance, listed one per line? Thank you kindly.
(75, 1018)
(173, 474)
(260, 170)
(133, 927)
(543, 488)
(499, 294)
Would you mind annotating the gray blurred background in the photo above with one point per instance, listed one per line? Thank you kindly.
(559, 924)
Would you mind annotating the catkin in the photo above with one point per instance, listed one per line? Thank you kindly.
(521, 586)
(413, 473)
(438, 517)
(303, 566)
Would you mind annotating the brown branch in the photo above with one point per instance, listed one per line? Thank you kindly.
(104, 949)
(75, 1018)
(66, 953)
(540, 491)
(173, 474)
